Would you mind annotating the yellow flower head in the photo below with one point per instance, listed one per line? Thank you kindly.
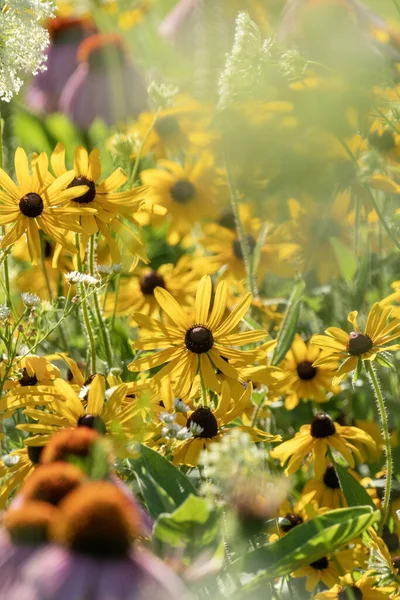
(199, 341)
(38, 203)
(339, 345)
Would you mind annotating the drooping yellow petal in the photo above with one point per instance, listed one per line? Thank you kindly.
(96, 395)
(203, 299)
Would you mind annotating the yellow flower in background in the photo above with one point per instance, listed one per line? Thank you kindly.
(15, 468)
(364, 588)
(313, 441)
(325, 489)
(208, 425)
(110, 207)
(338, 345)
(327, 569)
(188, 192)
(136, 292)
(199, 341)
(38, 203)
(305, 381)
(317, 229)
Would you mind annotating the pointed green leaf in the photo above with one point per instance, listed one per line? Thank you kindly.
(346, 259)
(354, 492)
(309, 542)
(289, 324)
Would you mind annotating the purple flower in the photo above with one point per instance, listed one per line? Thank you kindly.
(105, 84)
(55, 573)
(66, 35)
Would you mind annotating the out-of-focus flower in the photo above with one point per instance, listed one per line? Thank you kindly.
(66, 34)
(105, 85)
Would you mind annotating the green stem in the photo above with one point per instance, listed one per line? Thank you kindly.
(386, 438)
(100, 319)
(247, 259)
(85, 314)
(140, 151)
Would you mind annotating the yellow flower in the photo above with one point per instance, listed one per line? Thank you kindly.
(11, 477)
(364, 588)
(338, 344)
(305, 381)
(199, 341)
(37, 203)
(110, 206)
(326, 569)
(316, 439)
(208, 426)
(136, 293)
(187, 192)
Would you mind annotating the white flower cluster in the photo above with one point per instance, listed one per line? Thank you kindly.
(173, 430)
(5, 312)
(76, 277)
(23, 42)
(30, 300)
(106, 270)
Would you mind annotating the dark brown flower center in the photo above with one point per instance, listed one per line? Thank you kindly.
(322, 426)
(31, 205)
(293, 521)
(227, 219)
(384, 142)
(167, 127)
(350, 592)
(92, 422)
(391, 539)
(25, 380)
(359, 343)
(330, 478)
(183, 191)
(199, 339)
(34, 454)
(237, 247)
(306, 371)
(150, 281)
(203, 417)
(88, 196)
(320, 564)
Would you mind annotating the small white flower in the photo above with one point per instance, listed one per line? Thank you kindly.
(75, 277)
(5, 312)
(83, 391)
(171, 430)
(195, 428)
(30, 300)
(10, 461)
(167, 417)
(106, 270)
(180, 406)
(184, 434)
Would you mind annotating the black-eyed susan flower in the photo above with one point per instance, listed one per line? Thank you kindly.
(136, 292)
(304, 381)
(198, 341)
(327, 569)
(338, 345)
(37, 203)
(109, 206)
(187, 192)
(15, 468)
(325, 489)
(313, 441)
(208, 425)
(364, 588)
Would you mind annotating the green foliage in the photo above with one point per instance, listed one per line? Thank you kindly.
(309, 542)
(353, 491)
(289, 324)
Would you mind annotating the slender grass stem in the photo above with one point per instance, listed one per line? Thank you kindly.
(99, 316)
(386, 438)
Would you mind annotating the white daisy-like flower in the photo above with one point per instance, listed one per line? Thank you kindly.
(180, 406)
(5, 312)
(30, 300)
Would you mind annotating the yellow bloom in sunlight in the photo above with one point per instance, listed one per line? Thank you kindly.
(136, 292)
(12, 475)
(313, 442)
(364, 588)
(221, 239)
(188, 192)
(199, 341)
(339, 345)
(305, 381)
(110, 207)
(38, 203)
(208, 426)
(327, 569)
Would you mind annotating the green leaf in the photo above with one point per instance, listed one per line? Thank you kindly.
(309, 542)
(288, 326)
(194, 527)
(346, 259)
(163, 485)
(354, 492)
(383, 360)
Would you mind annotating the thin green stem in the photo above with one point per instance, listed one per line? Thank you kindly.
(85, 314)
(386, 438)
(141, 148)
(247, 259)
(100, 320)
